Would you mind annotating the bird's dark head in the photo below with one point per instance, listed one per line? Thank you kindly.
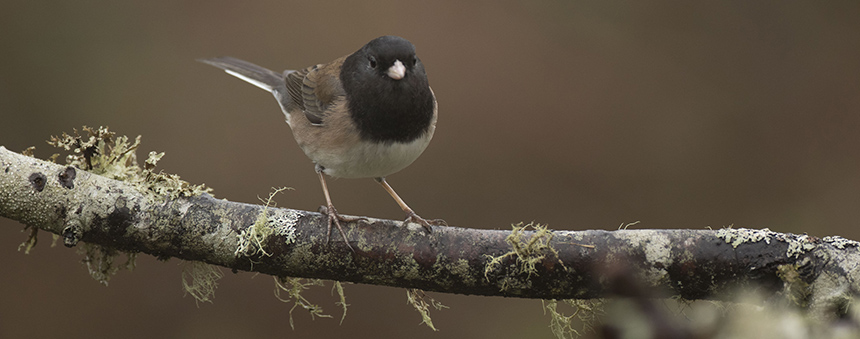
(389, 56)
(387, 90)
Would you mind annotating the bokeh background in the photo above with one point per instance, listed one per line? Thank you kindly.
(577, 114)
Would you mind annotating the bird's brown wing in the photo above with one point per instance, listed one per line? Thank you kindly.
(315, 88)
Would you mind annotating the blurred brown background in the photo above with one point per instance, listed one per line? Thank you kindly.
(582, 115)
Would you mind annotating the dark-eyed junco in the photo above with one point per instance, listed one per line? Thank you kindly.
(365, 115)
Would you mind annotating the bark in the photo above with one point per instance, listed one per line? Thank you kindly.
(529, 262)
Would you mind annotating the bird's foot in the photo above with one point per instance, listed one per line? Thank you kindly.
(335, 218)
(411, 216)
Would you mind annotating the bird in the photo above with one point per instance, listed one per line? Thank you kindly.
(369, 114)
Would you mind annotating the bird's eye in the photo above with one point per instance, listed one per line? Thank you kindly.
(372, 61)
(414, 61)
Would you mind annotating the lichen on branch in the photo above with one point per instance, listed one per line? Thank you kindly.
(100, 151)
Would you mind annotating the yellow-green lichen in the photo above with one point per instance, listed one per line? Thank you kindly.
(342, 303)
(627, 225)
(840, 242)
(408, 269)
(797, 245)
(165, 184)
(463, 271)
(797, 291)
(269, 221)
(421, 302)
(738, 236)
(100, 151)
(657, 248)
(586, 311)
(293, 288)
(29, 151)
(100, 261)
(28, 244)
(200, 280)
(528, 251)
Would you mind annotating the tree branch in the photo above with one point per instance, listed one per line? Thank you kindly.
(528, 262)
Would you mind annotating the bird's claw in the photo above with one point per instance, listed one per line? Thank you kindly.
(412, 217)
(335, 218)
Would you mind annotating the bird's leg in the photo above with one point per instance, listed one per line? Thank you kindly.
(333, 216)
(410, 214)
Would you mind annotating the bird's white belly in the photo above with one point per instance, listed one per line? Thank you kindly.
(367, 159)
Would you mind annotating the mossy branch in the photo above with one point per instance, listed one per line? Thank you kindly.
(692, 264)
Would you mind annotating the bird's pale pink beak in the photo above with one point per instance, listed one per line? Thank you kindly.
(397, 71)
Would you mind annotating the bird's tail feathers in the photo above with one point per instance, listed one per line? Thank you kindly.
(253, 74)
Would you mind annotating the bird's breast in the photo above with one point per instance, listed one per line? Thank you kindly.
(339, 148)
(368, 159)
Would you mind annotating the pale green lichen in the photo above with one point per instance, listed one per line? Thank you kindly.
(165, 184)
(100, 261)
(31, 241)
(840, 242)
(528, 251)
(101, 152)
(342, 303)
(131, 261)
(29, 151)
(462, 269)
(294, 287)
(738, 236)
(586, 311)
(627, 225)
(283, 222)
(152, 160)
(799, 246)
(422, 302)
(409, 269)
(796, 290)
(250, 240)
(269, 222)
(657, 248)
(200, 280)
